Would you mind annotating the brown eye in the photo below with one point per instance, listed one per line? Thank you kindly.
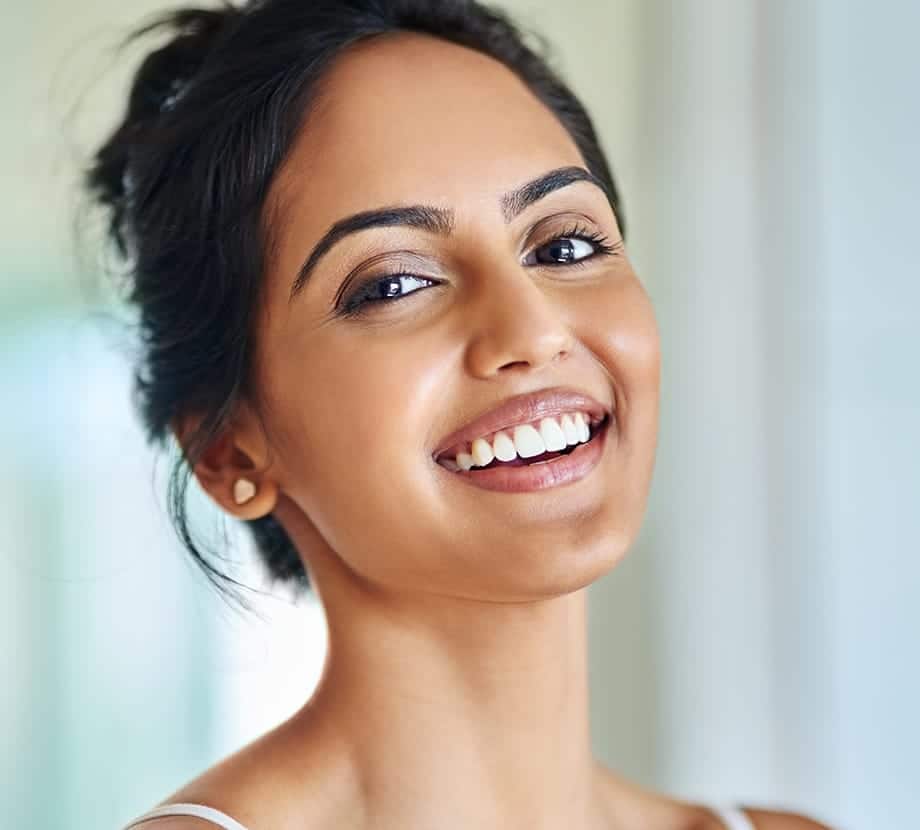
(381, 290)
(571, 248)
(563, 250)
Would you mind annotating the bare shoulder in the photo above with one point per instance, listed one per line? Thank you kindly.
(272, 782)
(782, 820)
(635, 805)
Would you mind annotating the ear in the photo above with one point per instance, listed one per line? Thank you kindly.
(236, 462)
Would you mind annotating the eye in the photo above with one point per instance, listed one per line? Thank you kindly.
(380, 289)
(570, 248)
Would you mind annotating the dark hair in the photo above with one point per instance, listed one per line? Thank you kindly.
(210, 117)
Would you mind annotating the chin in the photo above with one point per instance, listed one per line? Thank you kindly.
(568, 570)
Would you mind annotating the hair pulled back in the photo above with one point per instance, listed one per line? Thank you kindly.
(210, 117)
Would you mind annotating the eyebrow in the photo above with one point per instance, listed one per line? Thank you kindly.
(440, 220)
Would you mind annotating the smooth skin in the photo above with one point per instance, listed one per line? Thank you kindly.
(455, 692)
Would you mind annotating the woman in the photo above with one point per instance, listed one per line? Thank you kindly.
(387, 313)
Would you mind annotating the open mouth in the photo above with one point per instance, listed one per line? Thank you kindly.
(546, 457)
(535, 460)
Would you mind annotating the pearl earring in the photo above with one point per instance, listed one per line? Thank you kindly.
(243, 490)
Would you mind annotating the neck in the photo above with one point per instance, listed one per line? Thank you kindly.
(462, 713)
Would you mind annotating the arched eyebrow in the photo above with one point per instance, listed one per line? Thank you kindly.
(439, 220)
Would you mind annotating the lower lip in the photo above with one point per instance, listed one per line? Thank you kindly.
(565, 469)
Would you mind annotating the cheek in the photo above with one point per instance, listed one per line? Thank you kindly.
(350, 431)
(617, 323)
(364, 403)
(618, 326)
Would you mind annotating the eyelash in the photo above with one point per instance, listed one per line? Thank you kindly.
(603, 247)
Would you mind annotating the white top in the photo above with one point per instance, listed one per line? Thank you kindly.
(194, 810)
(734, 818)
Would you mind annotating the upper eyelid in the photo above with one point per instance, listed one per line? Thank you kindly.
(572, 227)
(566, 215)
(565, 219)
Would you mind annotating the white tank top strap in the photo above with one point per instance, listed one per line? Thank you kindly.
(733, 817)
(194, 810)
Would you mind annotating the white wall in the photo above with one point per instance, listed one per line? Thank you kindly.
(868, 132)
(781, 185)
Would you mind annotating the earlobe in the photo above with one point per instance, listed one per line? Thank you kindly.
(243, 490)
(251, 500)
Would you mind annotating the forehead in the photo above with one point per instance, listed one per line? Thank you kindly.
(409, 118)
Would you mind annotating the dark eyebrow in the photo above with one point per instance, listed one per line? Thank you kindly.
(440, 220)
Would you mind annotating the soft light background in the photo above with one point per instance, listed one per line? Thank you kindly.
(759, 644)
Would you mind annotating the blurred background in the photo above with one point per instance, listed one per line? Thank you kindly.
(760, 642)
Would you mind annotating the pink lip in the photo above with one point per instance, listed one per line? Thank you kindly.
(523, 409)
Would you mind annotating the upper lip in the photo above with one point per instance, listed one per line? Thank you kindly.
(523, 409)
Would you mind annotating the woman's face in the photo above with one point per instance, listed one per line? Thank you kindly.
(356, 404)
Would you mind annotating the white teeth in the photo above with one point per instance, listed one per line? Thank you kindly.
(552, 434)
(482, 452)
(465, 460)
(582, 424)
(570, 430)
(527, 441)
(504, 447)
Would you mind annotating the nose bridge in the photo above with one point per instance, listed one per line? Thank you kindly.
(514, 320)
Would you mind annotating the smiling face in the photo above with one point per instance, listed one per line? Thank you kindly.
(358, 395)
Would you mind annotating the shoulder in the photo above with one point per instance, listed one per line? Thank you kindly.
(702, 817)
(648, 808)
(272, 782)
(782, 820)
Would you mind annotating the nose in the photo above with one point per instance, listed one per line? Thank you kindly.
(515, 323)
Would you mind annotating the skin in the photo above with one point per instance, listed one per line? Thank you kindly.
(455, 691)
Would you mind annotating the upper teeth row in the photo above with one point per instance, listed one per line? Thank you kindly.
(526, 441)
